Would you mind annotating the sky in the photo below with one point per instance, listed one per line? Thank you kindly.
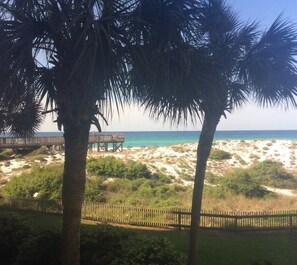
(250, 117)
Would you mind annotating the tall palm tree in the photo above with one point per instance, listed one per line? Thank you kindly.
(77, 56)
(70, 53)
(228, 63)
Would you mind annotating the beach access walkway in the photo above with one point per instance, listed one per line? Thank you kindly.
(97, 142)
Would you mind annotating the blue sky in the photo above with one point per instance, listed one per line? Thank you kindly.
(250, 117)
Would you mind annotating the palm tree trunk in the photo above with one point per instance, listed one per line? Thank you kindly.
(76, 147)
(209, 126)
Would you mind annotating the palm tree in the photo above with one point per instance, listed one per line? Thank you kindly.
(228, 63)
(70, 53)
(77, 56)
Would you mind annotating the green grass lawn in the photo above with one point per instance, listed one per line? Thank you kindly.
(216, 248)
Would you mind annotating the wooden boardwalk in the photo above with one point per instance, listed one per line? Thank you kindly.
(97, 142)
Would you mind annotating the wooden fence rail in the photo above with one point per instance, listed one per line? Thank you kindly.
(179, 218)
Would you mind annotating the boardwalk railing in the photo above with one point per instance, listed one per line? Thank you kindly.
(14, 142)
(211, 220)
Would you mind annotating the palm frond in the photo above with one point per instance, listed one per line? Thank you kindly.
(271, 65)
(23, 118)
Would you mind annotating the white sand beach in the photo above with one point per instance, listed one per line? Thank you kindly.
(179, 160)
(182, 157)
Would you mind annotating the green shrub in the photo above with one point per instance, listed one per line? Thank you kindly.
(46, 181)
(110, 166)
(162, 178)
(14, 230)
(272, 173)
(114, 246)
(143, 192)
(215, 192)
(217, 154)
(134, 170)
(94, 190)
(148, 252)
(103, 245)
(5, 154)
(211, 178)
(44, 248)
(39, 151)
(241, 182)
(239, 159)
(119, 185)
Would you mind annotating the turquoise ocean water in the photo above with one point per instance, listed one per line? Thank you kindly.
(163, 138)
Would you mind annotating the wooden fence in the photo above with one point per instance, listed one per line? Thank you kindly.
(179, 218)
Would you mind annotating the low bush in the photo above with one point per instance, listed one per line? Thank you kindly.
(14, 230)
(134, 170)
(211, 178)
(43, 248)
(114, 167)
(112, 245)
(44, 181)
(94, 190)
(104, 245)
(240, 160)
(5, 154)
(39, 151)
(143, 192)
(162, 178)
(240, 182)
(215, 192)
(217, 154)
(148, 252)
(272, 173)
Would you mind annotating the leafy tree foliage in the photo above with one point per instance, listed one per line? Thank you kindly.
(79, 56)
(229, 62)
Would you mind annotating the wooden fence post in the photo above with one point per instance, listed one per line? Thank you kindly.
(235, 224)
(291, 223)
(179, 219)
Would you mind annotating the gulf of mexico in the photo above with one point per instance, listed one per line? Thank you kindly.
(163, 138)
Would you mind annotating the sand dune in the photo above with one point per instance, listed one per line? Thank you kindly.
(179, 160)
